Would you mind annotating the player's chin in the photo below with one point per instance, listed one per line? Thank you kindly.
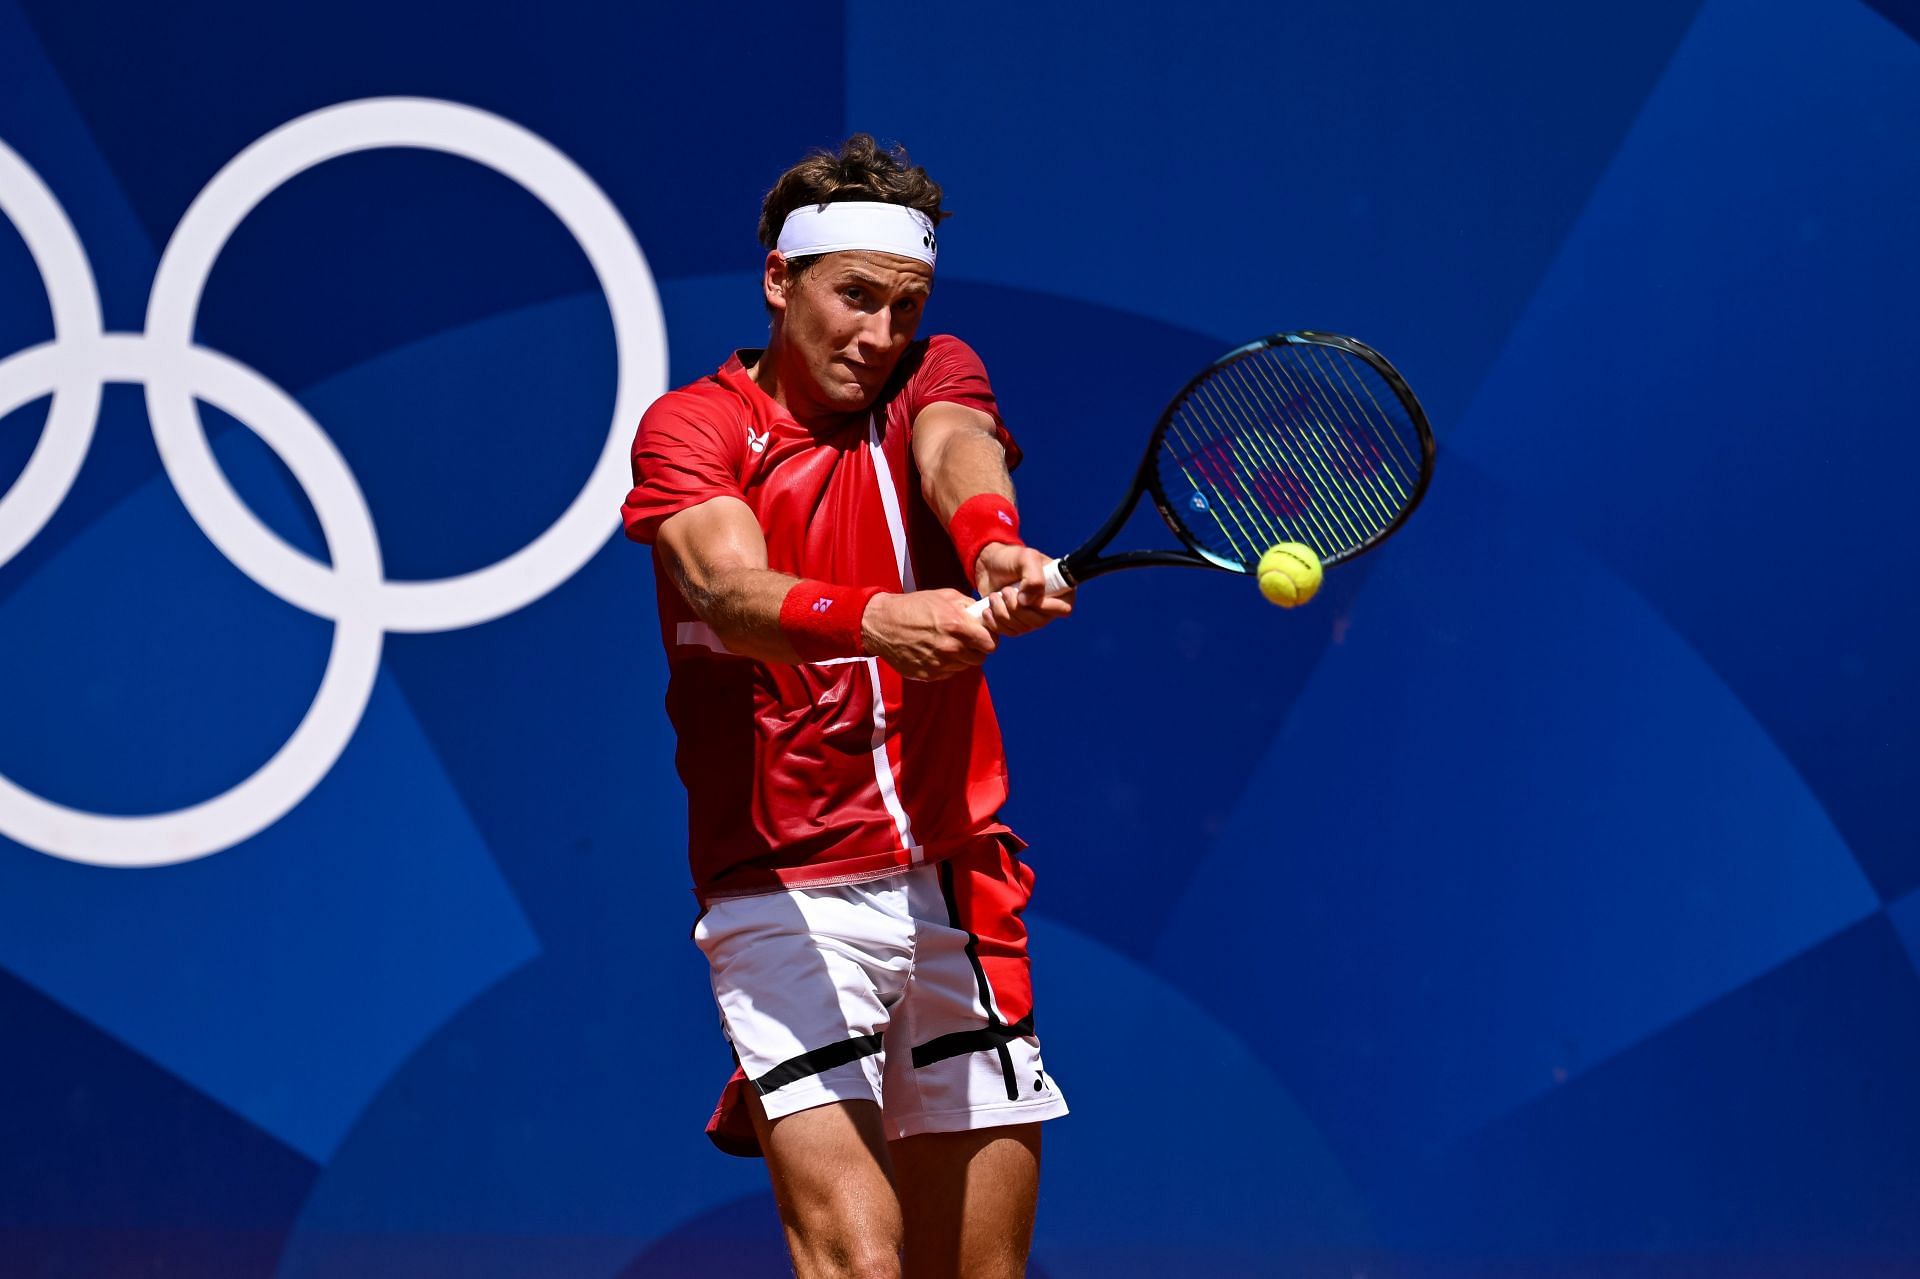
(849, 396)
(865, 380)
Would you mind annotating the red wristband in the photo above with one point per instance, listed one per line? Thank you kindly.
(822, 620)
(983, 518)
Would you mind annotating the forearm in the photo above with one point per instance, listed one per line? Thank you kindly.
(716, 555)
(742, 605)
(963, 469)
(924, 634)
(967, 464)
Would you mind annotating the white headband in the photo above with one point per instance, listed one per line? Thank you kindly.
(857, 224)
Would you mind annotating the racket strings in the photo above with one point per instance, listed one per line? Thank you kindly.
(1217, 500)
(1292, 442)
(1207, 488)
(1395, 443)
(1326, 423)
(1319, 429)
(1232, 422)
(1246, 441)
(1338, 432)
(1225, 487)
(1216, 455)
(1246, 409)
(1311, 458)
(1396, 438)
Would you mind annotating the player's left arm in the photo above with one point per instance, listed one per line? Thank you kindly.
(958, 453)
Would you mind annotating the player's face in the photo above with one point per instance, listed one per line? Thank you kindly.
(847, 320)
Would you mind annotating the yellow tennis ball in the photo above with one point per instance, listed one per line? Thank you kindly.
(1289, 574)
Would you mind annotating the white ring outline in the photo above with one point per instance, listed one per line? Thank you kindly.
(639, 333)
(67, 277)
(353, 589)
(274, 789)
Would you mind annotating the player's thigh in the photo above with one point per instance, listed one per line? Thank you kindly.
(968, 1200)
(803, 982)
(832, 1179)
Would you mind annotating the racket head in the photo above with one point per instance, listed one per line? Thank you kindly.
(1296, 437)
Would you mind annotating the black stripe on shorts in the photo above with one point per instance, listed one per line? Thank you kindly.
(820, 1059)
(961, 1042)
(995, 1027)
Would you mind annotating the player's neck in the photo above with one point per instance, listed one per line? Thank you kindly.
(782, 374)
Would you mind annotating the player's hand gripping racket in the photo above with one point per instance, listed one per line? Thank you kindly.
(1298, 437)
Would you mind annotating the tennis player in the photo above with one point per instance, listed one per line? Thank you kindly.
(818, 511)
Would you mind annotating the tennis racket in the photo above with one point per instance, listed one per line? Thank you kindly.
(1298, 437)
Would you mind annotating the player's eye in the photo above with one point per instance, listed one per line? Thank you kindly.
(906, 306)
(855, 294)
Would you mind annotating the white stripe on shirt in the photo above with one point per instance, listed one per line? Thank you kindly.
(897, 529)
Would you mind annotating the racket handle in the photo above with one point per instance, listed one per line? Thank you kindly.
(1057, 584)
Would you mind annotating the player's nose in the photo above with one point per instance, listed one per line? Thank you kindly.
(876, 329)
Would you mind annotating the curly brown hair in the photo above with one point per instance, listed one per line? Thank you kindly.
(860, 170)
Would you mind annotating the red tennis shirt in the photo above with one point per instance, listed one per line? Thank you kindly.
(823, 772)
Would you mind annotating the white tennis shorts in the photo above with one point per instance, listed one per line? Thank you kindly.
(913, 991)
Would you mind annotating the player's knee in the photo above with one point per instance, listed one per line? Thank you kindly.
(857, 1240)
(876, 1266)
(857, 1257)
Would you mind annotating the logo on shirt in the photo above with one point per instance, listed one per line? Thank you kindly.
(758, 443)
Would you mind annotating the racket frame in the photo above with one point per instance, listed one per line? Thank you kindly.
(1086, 561)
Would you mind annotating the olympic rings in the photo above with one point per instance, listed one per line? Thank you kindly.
(352, 590)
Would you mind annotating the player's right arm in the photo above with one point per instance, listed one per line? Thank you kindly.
(717, 556)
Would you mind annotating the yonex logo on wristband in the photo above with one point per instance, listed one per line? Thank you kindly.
(822, 604)
(349, 585)
(1004, 518)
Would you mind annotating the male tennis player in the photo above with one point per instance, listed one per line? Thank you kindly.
(817, 510)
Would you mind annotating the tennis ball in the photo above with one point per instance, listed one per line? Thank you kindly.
(1289, 574)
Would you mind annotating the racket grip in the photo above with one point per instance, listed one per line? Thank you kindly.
(1057, 584)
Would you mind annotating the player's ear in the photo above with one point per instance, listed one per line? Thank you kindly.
(776, 281)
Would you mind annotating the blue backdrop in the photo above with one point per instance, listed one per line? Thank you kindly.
(1543, 900)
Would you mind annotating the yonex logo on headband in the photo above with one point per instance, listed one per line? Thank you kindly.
(850, 225)
(351, 588)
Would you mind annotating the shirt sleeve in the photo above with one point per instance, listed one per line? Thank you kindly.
(682, 456)
(952, 373)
